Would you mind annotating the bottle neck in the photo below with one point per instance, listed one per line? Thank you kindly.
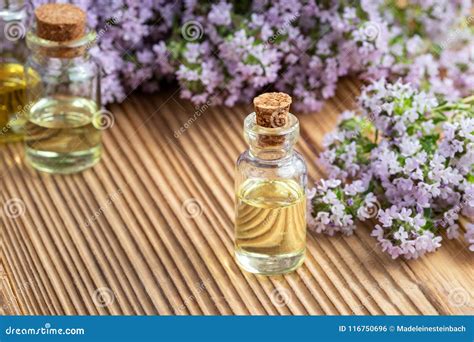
(270, 154)
(75, 50)
(271, 143)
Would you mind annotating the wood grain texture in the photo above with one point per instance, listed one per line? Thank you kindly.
(150, 231)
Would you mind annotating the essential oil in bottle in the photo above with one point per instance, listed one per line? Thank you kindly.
(62, 134)
(63, 128)
(13, 17)
(270, 217)
(12, 101)
(270, 223)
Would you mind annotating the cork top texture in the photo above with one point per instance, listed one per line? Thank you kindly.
(272, 109)
(60, 22)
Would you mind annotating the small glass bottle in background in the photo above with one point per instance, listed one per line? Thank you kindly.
(63, 128)
(270, 224)
(12, 59)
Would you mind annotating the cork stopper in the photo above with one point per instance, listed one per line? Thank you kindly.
(61, 23)
(272, 109)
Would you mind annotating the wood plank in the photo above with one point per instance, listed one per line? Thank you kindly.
(122, 238)
(8, 299)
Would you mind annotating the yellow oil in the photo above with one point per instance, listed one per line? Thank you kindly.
(12, 101)
(61, 135)
(270, 225)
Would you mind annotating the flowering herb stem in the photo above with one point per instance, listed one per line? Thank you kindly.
(418, 174)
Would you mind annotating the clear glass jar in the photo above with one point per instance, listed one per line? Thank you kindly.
(63, 128)
(12, 59)
(270, 224)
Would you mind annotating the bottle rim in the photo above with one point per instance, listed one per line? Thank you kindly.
(87, 40)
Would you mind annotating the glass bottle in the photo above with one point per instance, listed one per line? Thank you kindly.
(63, 128)
(270, 187)
(12, 59)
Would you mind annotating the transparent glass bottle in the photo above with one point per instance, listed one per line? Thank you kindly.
(63, 127)
(12, 59)
(270, 224)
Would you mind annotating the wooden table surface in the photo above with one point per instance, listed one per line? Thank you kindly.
(150, 230)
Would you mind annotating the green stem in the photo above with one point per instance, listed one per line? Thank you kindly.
(469, 99)
(449, 106)
(465, 103)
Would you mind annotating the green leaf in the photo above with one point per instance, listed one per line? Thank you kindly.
(251, 59)
(280, 38)
(428, 143)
